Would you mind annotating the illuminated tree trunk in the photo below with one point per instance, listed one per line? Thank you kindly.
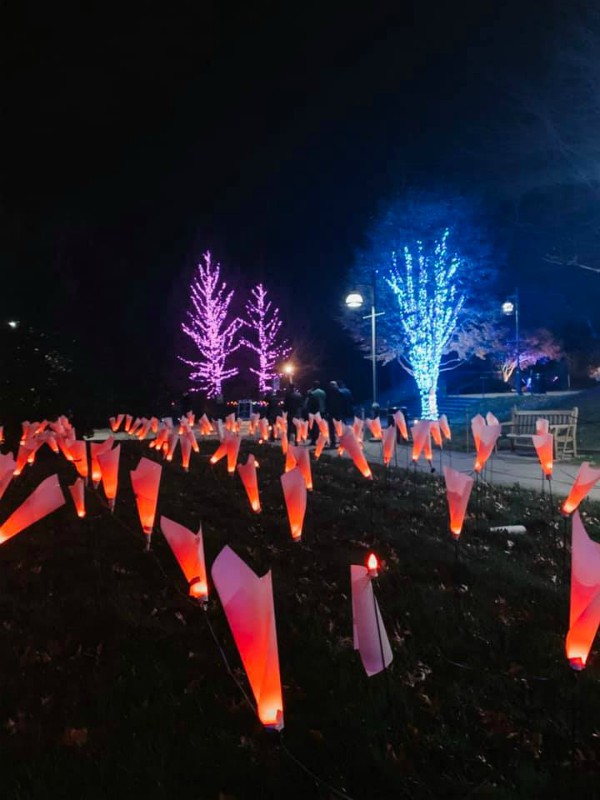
(429, 301)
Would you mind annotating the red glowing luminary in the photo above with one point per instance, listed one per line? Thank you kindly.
(80, 460)
(128, 421)
(544, 447)
(284, 442)
(436, 433)
(230, 422)
(78, 494)
(458, 491)
(188, 549)
(585, 595)
(302, 458)
(144, 429)
(172, 444)
(389, 444)
(219, 453)
(263, 429)
(145, 479)
(135, 426)
(23, 454)
(488, 436)
(95, 449)
(248, 604)
(1, 434)
(247, 473)
(290, 459)
(338, 426)
(115, 422)
(585, 480)
(349, 443)
(193, 441)
(41, 502)
(445, 427)
(374, 425)
(7, 469)
(370, 636)
(109, 470)
(294, 492)
(421, 438)
(400, 421)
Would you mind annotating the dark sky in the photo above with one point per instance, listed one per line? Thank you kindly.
(137, 137)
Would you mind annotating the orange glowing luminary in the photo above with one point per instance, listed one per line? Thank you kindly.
(78, 494)
(64, 446)
(135, 426)
(294, 491)
(374, 425)
(445, 427)
(230, 422)
(51, 441)
(41, 502)
(585, 480)
(144, 430)
(219, 453)
(491, 419)
(206, 427)
(358, 428)
(420, 437)
(389, 444)
(351, 446)
(302, 458)
(115, 422)
(186, 451)
(193, 442)
(436, 433)
(145, 479)
(458, 491)
(585, 595)
(324, 429)
(477, 425)
(188, 549)
(248, 604)
(109, 471)
(263, 429)
(128, 421)
(23, 454)
(233, 448)
(400, 421)
(338, 426)
(7, 469)
(172, 444)
(370, 636)
(290, 459)
(488, 436)
(284, 442)
(79, 452)
(95, 449)
(321, 442)
(247, 473)
(544, 447)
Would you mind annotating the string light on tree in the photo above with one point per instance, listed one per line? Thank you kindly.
(262, 318)
(214, 332)
(429, 299)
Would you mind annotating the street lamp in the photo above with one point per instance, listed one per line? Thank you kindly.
(13, 323)
(508, 309)
(355, 300)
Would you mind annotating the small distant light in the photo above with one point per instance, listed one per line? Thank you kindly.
(13, 323)
(354, 300)
(373, 565)
(508, 307)
(288, 369)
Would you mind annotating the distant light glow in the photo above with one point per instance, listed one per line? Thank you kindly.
(13, 323)
(288, 369)
(508, 308)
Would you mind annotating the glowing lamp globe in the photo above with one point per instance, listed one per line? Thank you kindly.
(508, 307)
(288, 369)
(354, 300)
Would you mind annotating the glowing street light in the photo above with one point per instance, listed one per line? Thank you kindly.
(508, 309)
(288, 369)
(13, 323)
(355, 300)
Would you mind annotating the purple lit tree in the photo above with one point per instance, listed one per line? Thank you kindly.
(212, 330)
(262, 318)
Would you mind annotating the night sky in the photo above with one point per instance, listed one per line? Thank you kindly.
(135, 138)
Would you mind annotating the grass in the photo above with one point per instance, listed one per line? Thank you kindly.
(113, 685)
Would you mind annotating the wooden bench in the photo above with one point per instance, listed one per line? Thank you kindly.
(562, 424)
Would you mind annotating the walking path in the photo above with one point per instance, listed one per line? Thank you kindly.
(505, 468)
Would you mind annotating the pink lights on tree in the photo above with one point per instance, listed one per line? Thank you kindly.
(212, 329)
(262, 318)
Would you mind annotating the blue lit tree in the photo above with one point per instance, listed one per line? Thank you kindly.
(426, 286)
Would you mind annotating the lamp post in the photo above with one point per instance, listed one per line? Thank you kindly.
(355, 300)
(509, 308)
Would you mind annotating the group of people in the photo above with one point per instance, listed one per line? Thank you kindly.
(332, 402)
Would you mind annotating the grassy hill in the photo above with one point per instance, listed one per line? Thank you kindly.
(113, 684)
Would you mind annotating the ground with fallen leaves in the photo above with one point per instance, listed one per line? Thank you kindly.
(113, 685)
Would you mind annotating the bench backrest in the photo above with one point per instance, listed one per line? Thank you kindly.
(524, 421)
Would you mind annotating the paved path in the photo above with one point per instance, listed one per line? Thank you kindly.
(505, 468)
